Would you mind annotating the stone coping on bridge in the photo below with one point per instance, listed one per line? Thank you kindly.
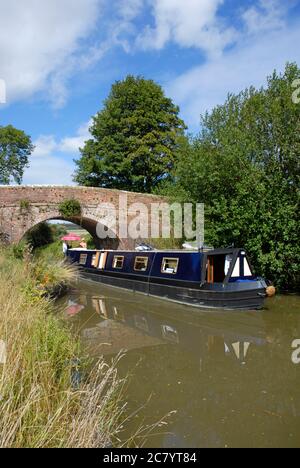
(77, 187)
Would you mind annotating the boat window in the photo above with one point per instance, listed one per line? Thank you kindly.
(242, 267)
(118, 262)
(228, 260)
(236, 270)
(82, 259)
(141, 263)
(95, 259)
(170, 266)
(102, 260)
(247, 269)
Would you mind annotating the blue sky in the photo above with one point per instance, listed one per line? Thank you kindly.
(59, 59)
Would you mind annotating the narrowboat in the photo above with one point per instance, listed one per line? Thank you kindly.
(217, 278)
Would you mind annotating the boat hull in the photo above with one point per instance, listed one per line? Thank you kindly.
(235, 296)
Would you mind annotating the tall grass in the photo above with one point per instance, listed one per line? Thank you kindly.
(50, 251)
(43, 402)
(49, 273)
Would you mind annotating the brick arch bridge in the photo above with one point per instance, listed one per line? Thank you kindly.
(23, 207)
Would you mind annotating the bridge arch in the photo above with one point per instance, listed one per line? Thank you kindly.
(89, 225)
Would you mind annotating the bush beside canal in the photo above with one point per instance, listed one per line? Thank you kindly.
(47, 272)
(43, 402)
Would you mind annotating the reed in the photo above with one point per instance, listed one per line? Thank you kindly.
(44, 402)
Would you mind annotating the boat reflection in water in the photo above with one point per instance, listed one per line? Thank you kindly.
(228, 375)
(114, 327)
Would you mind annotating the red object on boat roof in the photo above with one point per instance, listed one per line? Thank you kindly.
(71, 238)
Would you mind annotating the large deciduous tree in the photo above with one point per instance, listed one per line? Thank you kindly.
(134, 138)
(15, 148)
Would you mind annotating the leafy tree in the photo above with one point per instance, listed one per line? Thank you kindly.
(246, 167)
(15, 148)
(134, 138)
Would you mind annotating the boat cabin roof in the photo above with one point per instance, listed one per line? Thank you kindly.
(183, 251)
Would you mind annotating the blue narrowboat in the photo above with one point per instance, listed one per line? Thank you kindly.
(221, 278)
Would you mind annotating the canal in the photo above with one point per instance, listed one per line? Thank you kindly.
(225, 379)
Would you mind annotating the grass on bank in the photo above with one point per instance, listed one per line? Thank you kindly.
(42, 402)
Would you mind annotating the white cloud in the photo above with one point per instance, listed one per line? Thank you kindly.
(38, 40)
(129, 9)
(50, 170)
(121, 30)
(71, 144)
(248, 64)
(190, 23)
(52, 160)
(44, 146)
(267, 15)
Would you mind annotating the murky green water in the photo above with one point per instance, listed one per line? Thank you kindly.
(229, 376)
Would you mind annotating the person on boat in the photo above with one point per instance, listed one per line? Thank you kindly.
(83, 244)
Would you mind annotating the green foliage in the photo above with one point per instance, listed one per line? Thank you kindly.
(50, 251)
(70, 209)
(90, 241)
(15, 148)
(58, 231)
(40, 235)
(51, 275)
(166, 244)
(134, 138)
(246, 167)
(24, 205)
(21, 250)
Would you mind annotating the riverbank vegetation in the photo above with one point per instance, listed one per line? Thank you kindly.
(44, 234)
(46, 399)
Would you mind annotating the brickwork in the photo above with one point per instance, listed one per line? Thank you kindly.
(22, 207)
